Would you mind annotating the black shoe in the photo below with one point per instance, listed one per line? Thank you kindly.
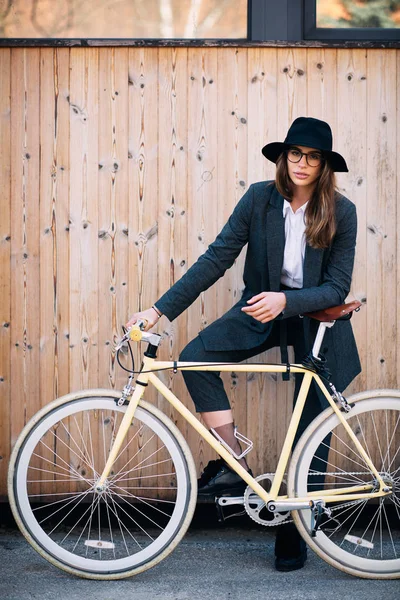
(218, 479)
(290, 549)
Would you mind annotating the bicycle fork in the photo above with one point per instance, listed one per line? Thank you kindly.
(137, 394)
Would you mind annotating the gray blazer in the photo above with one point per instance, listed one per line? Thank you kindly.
(258, 221)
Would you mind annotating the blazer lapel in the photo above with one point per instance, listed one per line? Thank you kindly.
(275, 240)
(312, 266)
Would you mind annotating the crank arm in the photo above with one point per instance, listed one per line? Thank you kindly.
(228, 500)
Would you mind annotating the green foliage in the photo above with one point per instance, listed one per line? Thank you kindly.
(370, 13)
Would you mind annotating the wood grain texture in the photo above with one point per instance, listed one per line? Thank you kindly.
(381, 220)
(25, 283)
(5, 261)
(351, 134)
(84, 215)
(119, 168)
(113, 208)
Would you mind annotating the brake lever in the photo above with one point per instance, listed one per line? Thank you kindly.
(122, 341)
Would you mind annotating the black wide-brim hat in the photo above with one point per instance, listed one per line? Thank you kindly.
(313, 133)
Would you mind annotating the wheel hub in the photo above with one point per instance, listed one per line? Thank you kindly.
(101, 489)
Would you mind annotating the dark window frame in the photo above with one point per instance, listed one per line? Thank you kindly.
(270, 23)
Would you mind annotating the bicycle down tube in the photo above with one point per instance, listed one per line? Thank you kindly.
(150, 365)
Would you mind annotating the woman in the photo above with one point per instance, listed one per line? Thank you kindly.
(301, 236)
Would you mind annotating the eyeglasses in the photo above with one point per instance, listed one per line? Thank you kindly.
(314, 159)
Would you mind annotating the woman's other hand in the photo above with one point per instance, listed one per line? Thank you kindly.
(150, 316)
(266, 306)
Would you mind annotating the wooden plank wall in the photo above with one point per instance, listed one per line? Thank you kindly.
(119, 166)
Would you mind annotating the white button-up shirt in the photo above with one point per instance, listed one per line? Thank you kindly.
(295, 245)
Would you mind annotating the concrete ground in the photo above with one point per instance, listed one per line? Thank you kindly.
(213, 562)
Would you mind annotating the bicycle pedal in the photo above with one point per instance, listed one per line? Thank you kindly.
(317, 512)
(223, 501)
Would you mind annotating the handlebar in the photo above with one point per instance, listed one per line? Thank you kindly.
(136, 333)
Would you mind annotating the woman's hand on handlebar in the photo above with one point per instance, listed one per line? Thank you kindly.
(150, 316)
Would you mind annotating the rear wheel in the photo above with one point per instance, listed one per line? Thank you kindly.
(139, 517)
(361, 537)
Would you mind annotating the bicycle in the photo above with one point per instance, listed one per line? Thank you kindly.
(103, 485)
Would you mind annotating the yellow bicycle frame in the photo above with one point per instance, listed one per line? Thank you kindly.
(150, 365)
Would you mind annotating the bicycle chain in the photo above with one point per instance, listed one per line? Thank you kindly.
(284, 521)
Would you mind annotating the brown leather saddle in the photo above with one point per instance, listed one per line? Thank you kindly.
(344, 311)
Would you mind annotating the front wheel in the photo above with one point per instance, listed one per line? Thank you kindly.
(140, 515)
(360, 537)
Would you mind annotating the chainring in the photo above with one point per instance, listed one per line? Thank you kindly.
(256, 508)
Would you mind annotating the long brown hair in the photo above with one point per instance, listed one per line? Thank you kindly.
(320, 210)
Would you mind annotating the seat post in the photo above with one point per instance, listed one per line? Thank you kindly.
(323, 326)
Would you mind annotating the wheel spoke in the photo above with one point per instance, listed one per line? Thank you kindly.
(361, 536)
(130, 517)
(130, 495)
(117, 530)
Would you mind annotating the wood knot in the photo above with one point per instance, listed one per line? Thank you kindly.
(384, 118)
(300, 72)
(319, 65)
